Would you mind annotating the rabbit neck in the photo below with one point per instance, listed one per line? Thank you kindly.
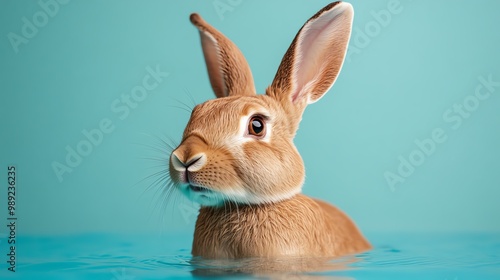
(258, 230)
(299, 226)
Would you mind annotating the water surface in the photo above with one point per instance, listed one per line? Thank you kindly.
(167, 256)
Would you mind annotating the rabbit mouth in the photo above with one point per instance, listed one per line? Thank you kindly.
(198, 188)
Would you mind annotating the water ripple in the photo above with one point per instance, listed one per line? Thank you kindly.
(112, 258)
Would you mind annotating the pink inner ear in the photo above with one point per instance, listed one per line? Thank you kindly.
(313, 51)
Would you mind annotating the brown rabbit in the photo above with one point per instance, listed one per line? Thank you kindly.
(237, 158)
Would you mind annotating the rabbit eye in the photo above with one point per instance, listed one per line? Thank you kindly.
(257, 126)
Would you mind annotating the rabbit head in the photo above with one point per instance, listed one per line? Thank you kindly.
(239, 147)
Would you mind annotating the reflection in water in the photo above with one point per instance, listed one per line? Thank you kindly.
(274, 268)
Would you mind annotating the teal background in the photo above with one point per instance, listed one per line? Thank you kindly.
(393, 90)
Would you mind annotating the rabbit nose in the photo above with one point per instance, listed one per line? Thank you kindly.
(190, 156)
(192, 164)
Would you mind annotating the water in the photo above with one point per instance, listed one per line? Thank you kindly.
(166, 256)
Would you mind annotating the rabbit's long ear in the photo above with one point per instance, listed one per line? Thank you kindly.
(314, 59)
(227, 68)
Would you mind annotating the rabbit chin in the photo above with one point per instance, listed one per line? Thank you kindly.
(204, 198)
(213, 198)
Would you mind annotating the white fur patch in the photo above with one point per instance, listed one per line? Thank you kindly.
(248, 197)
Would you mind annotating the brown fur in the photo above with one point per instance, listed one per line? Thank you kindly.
(220, 57)
(213, 121)
(249, 186)
(299, 226)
